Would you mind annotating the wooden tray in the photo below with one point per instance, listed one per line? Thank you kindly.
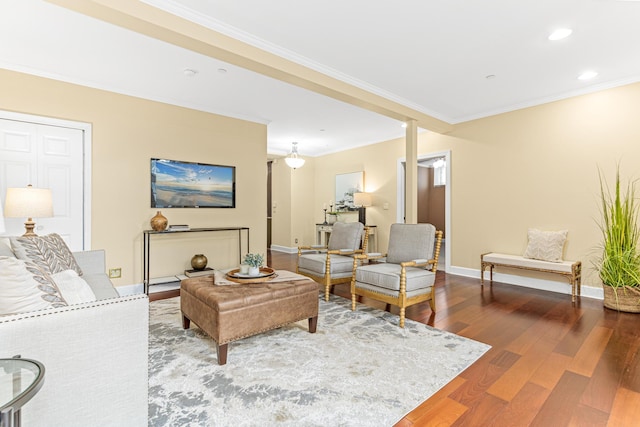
(266, 274)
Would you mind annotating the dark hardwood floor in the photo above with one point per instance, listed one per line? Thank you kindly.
(552, 363)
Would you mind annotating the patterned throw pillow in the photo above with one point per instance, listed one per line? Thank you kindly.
(25, 287)
(50, 253)
(546, 245)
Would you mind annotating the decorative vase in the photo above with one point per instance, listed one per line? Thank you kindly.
(199, 262)
(159, 222)
(332, 218)
(254, 271)
(625, 299)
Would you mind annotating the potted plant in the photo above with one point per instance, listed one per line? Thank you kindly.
(254, 261)
(619, 264)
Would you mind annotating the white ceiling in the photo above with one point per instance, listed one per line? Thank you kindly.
(433, 56)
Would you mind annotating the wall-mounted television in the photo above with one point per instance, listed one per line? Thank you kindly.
(176, 184)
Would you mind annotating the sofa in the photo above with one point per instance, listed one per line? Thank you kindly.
(95, 353)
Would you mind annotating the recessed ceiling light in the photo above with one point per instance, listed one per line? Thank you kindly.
(222, 70)
(587, 75)
(490, 76)
(189, 72)
(560, 34)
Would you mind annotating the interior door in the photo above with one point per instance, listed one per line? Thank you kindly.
(46, 157)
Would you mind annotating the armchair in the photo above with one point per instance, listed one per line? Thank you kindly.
(407, 276)
(333, 264)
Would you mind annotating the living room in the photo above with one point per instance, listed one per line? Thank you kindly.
(535, 167)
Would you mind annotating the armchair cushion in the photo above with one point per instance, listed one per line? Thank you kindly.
(385, 278)
(316, 264)
(410, 241)
(346, 235)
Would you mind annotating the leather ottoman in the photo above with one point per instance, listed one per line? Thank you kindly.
(231, 312)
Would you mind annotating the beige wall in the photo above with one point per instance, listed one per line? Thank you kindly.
(536, 167)
(127, 132)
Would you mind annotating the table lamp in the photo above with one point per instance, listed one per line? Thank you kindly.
(362, 200)
(28, 202)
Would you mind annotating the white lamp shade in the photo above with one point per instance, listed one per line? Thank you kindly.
(28, 202)
(294, 162)
(362, 199)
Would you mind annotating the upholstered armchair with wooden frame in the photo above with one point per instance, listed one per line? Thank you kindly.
(406, 274)
(333, 264)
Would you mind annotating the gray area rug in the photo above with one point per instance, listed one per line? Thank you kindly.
(359, 369)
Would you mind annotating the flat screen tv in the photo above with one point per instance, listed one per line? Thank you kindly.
(176, 184)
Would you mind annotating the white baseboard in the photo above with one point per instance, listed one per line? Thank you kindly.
(558, 286)
(285, 249)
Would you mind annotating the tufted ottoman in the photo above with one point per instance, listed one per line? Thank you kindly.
(234, 311)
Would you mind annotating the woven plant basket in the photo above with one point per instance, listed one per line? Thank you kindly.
(626, 298)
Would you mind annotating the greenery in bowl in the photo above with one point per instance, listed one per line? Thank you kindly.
(254, 260)
(619, 265)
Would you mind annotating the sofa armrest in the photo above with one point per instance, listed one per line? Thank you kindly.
(96, 361)
(93, 268)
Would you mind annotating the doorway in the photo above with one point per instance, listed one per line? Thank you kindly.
(437, 169)
(49, 153)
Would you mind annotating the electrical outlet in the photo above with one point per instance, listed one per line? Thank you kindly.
(296, 240)
(115, 273)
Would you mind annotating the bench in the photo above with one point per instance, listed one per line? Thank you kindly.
(569, 269)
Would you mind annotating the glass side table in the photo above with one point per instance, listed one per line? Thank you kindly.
(20, 380)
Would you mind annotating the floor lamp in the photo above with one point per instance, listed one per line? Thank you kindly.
(28, 202)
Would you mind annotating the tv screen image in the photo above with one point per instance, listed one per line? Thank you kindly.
(177, 184)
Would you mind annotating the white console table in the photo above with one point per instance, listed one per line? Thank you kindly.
(323, 231)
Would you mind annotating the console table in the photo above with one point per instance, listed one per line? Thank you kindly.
(323, 231)
(146, 246)
(20, 380)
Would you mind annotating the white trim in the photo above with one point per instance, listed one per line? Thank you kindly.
(284, 249)
(447, 198)
(558, 286)
(86, 130)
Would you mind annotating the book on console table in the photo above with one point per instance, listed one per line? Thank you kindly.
(197, 273)
(178, 227)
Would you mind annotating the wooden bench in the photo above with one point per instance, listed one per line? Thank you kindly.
(569, 269)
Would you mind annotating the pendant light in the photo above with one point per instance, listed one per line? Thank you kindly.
(292, 160)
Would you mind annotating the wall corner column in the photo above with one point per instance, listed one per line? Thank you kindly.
(411, 173)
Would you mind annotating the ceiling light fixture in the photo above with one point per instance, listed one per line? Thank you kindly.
(292, 160)
(560, 33)
(189, 72)
(587, 75)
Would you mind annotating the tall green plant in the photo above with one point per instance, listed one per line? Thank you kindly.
(620, 263)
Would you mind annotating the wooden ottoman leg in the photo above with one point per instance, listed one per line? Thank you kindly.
(313, 324)
(185, 322)
(222, 353)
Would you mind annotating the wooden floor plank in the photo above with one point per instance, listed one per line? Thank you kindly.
(558, 408)
(590, 352)
(523, 408)
(551, 370)
(626, 409)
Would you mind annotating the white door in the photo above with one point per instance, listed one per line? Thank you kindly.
(46, 157)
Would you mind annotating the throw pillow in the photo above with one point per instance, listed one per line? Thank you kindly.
(74, 289)
(49, 252)
(545, 245)
(25, 287)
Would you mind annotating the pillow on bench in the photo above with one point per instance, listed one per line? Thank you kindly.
(545, 245)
